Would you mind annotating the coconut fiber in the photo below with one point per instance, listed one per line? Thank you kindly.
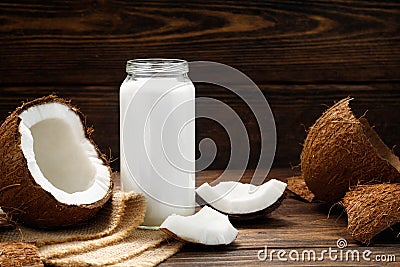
(341, 151)
(298, 186)
(110, 238)
(372, 209)
(19, 254)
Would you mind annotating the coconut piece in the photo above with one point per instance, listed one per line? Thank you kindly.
(19, 254)
(207, 227)
(242, 201)
(298, 186)
(52, 173)
(342, 151)
(372, 209)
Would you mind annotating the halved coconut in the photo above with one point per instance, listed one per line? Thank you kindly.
(207, 227)
(242, 201)
(52, 174)
(342, 151)
(372, 209)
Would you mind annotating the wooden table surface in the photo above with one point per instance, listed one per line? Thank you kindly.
(295, 225)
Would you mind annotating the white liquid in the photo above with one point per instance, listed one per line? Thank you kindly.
(157, 144)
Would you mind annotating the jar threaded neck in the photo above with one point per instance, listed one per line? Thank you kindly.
(153, 66)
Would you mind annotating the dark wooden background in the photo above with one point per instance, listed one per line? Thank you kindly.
(303, 56)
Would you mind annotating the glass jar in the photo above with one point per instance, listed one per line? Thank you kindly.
(157, 136)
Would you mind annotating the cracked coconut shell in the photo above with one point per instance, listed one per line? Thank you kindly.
(298, 187)
(342, 151)
(45, 180)
(372, 209)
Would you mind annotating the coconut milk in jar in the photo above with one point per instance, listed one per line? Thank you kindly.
(157, 136)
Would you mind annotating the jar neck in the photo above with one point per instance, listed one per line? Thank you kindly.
(157, 67)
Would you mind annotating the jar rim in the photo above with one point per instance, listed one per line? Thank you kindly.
(152, 66)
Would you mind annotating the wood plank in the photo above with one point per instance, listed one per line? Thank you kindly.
(88, 42)
(295, 108)
(219, 257)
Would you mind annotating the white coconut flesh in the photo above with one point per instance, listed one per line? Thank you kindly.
(59, 156)
(208, 227)
(238, 198)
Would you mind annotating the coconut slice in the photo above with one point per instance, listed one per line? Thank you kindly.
(372, 209)
(52, 174)
(342, 151)
(243, 201)
(207, 227)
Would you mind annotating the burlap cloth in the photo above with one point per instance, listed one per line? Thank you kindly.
(111, 238)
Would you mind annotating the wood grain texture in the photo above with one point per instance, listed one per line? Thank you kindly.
(302, 56)
(248, 258)
(88, 42)
(295, 108)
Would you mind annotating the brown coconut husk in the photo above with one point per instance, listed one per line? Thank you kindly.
(342, 151)
(298, 187)
(21, 197)
(19, 254)
(372, 209)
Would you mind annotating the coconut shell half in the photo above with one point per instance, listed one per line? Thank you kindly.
(21, 195)
(372, 209)
(342, 151)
